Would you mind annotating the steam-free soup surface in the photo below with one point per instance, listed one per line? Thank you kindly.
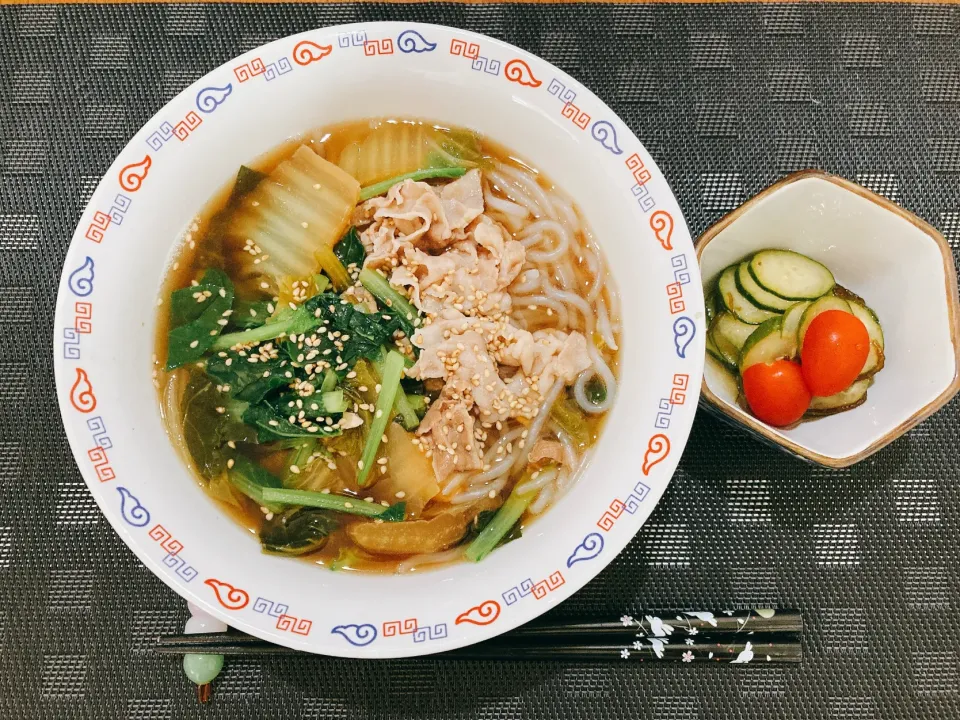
(387, 345)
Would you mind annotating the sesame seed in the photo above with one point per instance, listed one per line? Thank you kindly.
(295, 469)
(348, 505)
(194, 343)
(230, 463)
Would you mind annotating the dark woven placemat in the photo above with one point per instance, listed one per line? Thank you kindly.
(727, 99)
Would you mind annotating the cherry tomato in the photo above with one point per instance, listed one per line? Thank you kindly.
(834, 351)
(776, 392)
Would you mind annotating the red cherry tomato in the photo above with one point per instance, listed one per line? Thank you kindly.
(834, 351)
(776, 392)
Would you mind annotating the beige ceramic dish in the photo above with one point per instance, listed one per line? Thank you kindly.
(900, 264)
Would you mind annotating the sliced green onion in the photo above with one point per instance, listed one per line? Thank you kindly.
(334, 401)
(336, 503)
(329, 381)
(426, 174)
(496, 529)
(417, 402)
(389, 385)
(320, 283)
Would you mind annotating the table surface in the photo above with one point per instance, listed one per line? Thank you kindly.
(727, 100)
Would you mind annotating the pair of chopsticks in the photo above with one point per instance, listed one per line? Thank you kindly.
(736, 637)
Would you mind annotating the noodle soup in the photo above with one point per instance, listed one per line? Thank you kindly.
(387, 345)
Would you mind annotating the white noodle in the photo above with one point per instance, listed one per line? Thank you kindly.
(418, 561)
(529, 185)
(542, 501)
(527, 282)
(516, 193)
(544, 478)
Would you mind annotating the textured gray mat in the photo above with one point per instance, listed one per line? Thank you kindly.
(727, 98)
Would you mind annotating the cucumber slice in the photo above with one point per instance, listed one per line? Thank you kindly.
(729, 354)
(756, 294)
(827, 302)
(714, 351)
(712, 306)
(875, 358)
(734, 301)
(766, 345)
(791, 275)
(736, 331)
(792, 318)
(848, 399)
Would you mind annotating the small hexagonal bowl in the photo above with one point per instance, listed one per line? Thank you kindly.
(902, 267)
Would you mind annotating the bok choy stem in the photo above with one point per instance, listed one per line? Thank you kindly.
(252, 480)
(389, 385)
(331, 265)
(507, 516)
(417, 175)
(337, 503)
(378, 286)
(404, 408)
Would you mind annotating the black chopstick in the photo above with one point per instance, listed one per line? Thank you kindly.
(761, 648)
(667, 624)
(733, 637)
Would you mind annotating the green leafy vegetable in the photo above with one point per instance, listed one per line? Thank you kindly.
(389, 385)
(568, 415)
(425, 174)
(396, 303)
(245, 379)
(350, 250)
(456, 148)
(299, 458)
(405, 410)
(501, 525)
(252, 480)
(272, 424)
(248, 314)
(596, 391)
(331, 265)
(195, 328)
(247, 180)
(297, 531)
(206, 429)
(337, 503)
(301, 320)
(484, 518)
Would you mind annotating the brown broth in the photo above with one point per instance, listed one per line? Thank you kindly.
(191, 258)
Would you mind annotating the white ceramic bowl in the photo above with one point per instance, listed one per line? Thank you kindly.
(899, 264)
(105, 322)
